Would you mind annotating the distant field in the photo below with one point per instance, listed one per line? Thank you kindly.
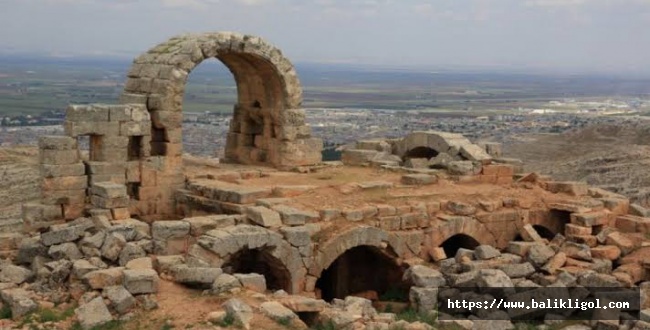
(31, 86)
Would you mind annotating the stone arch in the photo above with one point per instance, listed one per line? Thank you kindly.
(452, 244)
(361, 260)
(268, 125)
(443, 230)
(455, 145)
(552, 220)
(219, 247)
(348, 239)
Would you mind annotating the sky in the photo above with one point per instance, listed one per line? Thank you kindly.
(554, 35)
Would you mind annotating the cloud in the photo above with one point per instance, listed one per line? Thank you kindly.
(556, 3)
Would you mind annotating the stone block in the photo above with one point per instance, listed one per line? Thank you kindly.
(52, 171)
(425, 300)
(76, 129)
(589, 219)
(87, 113)
(108, 190)
(93, 314)
(109, 203)
(254, 282)
(295, 217)
(195, 276)
(65, 183)
(141, 281)
(105, 168)
(19, 302)
(570, 188)
(356, 157)
(419, 179)
(59, 157)
(56, 142)
(64, 197)
(165, 230)
(121, 300)
(102, 278)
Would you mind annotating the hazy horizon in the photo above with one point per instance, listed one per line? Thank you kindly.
(557, 36)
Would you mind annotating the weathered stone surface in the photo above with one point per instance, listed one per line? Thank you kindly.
(276, 311)
(264, 216)
(14, 274)
(165, 230)
(518, 270)
(254, 282)
(296, 236)
(100, 279)
(224, 283)
(19, 301)
(241, 312)
(425, 277)
(461, 208)
(139, 281)
(82, 267)
(195, 276)
(93, 314)
(121, 300)
(485, 252)
(108, 190)
(425, 299)
(113, 245)
(539, 254)
(294, 217)
(419, 179)
(65, 251)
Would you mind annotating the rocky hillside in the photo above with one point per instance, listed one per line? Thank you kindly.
(612, 157)
(19, 183)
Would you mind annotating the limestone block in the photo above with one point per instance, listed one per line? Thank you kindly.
(296, 153)
(291, 133)
(33, 213)
(87, 113)
(58, 157)
(100, 178)
(113, 155)
(65, 251)
(51, 171)
(63, 197)
(294, 217)
(56, 142)
(195, 276)
(76, 129)
(165, 230)
(292, 117)
(105, 168)
(108, 190)
(141, 281)
(254, 282)
(167, 119)
(109, 203)
(425, 277)
(121, 300)
(132, 128)
(356, 157)
(19, 302)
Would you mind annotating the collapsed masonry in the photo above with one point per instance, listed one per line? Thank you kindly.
(431, 213)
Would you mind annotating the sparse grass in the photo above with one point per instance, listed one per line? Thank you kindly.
(411, 315)
(167, 327)
(394, 294)
(112, 325)
(227, 321)
(5, 312)
(329, 325)
(285, 321)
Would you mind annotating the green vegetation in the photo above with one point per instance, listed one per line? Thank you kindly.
(410, 315)
(285, 321)
(227, 321)
(394, 294)
(5, 312)
(112, 325)
(329, 325)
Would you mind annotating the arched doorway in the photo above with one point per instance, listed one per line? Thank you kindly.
(260, 261)
(364, 270)
(208, 102)
(458, 241)
(544, 232)
(420, 152)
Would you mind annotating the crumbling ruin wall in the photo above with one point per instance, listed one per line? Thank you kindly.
(139, 144)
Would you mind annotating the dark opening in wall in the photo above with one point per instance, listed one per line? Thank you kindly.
(544, 232)
(420, 152)
(158, 142)
(452, 244)
(132, 189)
(135, 148)
(367, 271)
(260, 261)
(560, 219)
